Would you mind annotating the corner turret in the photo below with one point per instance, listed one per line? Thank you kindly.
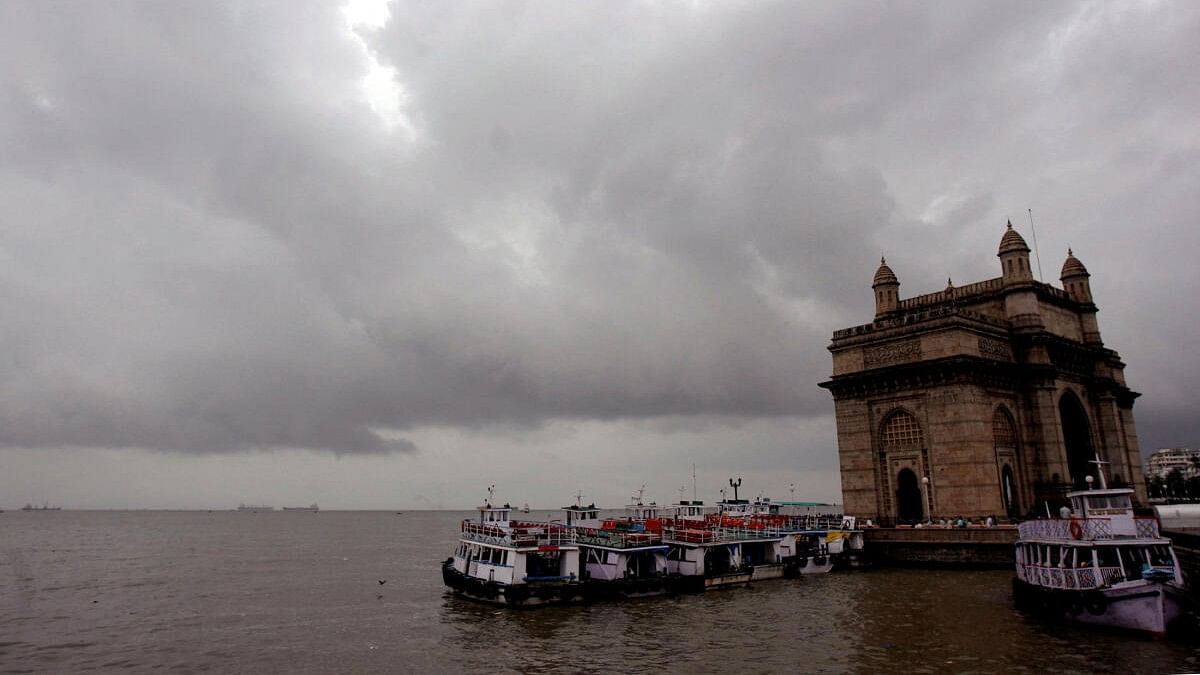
(1075, 282)
(1020, 301)
(1014, 257)
(887, 290)
(1075, 278)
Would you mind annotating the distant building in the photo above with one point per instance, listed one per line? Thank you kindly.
(1162, 461)
(993, 397)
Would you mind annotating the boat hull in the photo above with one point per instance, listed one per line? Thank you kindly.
(818, 564)
(511, 595)
(1143, 606)
(727, 580)
(758, 572)
(565, 592)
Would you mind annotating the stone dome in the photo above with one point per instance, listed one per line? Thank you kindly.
(1072, 267)
(1012, 241)
(884, 275)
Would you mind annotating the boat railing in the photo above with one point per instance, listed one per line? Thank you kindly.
(615, 538)
(1147, 528)
(1081, 578)
(518, 534)
(1089, 529)
(736, 533)
(720, 533)
(689, 535)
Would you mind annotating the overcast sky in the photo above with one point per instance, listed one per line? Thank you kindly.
(383, 256)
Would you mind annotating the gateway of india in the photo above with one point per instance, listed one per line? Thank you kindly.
(993, 398)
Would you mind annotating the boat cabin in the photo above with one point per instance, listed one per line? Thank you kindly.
(642, 512)
(735, 508)
(582, 516)
(494, 515)
(691, 510)
(1113, 505)
(763, 506)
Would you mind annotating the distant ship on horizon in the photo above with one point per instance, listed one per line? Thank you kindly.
(252, 507)
(310, 507)
(43, 507)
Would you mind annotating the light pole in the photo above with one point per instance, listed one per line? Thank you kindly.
(928, 499)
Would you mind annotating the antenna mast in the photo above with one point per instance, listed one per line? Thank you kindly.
(1036, 254)
(693, 481)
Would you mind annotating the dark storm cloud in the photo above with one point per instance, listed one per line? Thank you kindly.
(211, 242)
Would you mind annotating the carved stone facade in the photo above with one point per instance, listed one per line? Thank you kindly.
(992, 398)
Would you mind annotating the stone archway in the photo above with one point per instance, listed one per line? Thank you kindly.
(1077, 437)
(910, 502)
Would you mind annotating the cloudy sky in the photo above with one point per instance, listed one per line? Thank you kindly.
(383, 255)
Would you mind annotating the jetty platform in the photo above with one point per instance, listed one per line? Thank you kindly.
(939, 547)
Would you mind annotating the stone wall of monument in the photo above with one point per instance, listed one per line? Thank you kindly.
(965, 480)
(858, 463)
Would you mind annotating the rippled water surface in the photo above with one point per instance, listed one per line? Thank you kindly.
(300, 592)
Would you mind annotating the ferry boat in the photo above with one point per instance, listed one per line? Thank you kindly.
(310, 507)
(1101, 565)
(514, 563)
(625, 557)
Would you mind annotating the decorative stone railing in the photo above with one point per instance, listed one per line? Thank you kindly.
(918, 315)
(951, 293)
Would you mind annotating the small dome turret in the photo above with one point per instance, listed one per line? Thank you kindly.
(1014, 258)
(1075, 278)
(884, 275)
(887, 289)
(1073, 268)
(1012, 241)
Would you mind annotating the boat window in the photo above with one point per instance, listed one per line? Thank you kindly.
(1107, 557)
(1160, 556)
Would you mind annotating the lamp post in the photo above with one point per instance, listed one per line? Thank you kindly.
(928, 499)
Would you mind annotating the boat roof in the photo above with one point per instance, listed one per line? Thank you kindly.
(1098, 492)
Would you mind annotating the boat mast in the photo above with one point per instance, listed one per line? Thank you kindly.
(1100, 470)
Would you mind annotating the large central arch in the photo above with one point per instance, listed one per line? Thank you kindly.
(1077, 437)
(910, 506)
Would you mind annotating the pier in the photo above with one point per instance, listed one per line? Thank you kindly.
(938, 547)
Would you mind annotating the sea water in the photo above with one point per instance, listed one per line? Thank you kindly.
(361, 592)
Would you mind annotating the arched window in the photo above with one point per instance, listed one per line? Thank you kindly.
(901, 430)
(1004, 432)
(1004, 439)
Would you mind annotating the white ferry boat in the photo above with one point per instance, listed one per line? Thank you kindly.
(514, 563)
(625, 557)
(1101, 565)
(310, 507)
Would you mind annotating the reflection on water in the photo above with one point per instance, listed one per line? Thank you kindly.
(300, 592)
